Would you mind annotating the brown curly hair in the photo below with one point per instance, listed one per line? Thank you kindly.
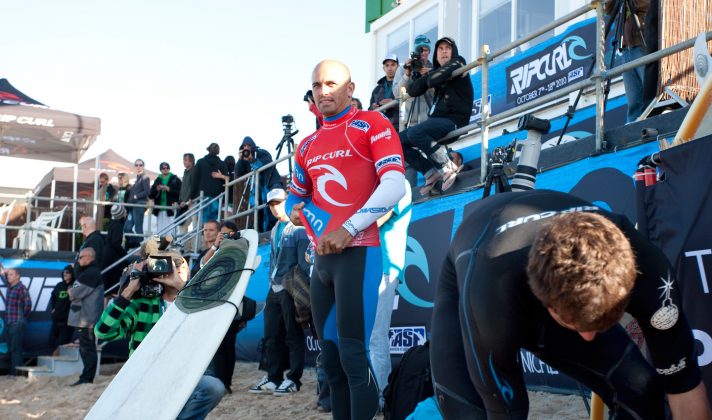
(582, 267)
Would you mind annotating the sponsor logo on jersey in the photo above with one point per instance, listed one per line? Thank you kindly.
(330, 174)
(299, 173)
(389, 160)
(674, 368)
(543, 215)
(360, 124)
(403, 338)
(383, 134)
(336, 154)
(317, 218)
(305, 144)
(298, 190)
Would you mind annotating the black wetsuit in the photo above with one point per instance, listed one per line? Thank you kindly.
(485, 312)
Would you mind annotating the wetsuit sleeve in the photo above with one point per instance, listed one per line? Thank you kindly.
(117, 321)
(657, 306)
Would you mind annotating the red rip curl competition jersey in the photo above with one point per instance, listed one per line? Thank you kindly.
(338, 167)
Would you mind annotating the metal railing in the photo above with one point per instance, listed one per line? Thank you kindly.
(596, 79)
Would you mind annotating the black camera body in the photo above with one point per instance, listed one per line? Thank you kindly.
(416, 64)
(503, 154)
(156, 266)
(231, 235)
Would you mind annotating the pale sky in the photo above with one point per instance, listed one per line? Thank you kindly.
(169, 77)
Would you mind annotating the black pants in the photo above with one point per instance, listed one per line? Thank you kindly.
(283, 335)
(344, 295)
(87, 351)
(59, 334)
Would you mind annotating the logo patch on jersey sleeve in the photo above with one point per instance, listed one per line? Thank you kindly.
(394, 160)
(300, 175)
(387, 133)
(361, 125)
(305, 144)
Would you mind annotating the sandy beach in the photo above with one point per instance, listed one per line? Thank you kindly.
(53, 398)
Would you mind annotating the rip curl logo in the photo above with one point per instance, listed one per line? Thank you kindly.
(674, 368)
(415, 256)
(543, 215)
(665, 317)
(559, 59)
(361, 125)
(330, 174)
(383, 134)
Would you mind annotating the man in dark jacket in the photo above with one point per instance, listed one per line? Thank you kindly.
(92, 239)
(383, 92)
(138, 194)
(86, 296)
(208, 178)
(61, 333)
(113, 247)
(252, 158)
(451, 109)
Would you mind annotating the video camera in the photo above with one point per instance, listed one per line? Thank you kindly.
(503, 154)
(416, 64)
(159, 262)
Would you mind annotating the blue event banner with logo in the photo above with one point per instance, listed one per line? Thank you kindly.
(538, 71)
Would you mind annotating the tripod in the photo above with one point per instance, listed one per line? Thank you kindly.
(287, 139)
(496, 176)
(618, 18)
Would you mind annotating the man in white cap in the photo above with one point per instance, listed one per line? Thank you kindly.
(383, 92)
(284, 337)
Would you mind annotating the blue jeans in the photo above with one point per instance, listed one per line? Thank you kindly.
(135, 221)
(423, 137)
(633, 82)
(205, 397)
(15, 333)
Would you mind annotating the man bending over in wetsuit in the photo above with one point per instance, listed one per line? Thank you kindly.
(347, 175)
(551, 273)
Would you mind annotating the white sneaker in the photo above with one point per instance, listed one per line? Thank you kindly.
(430, 182)
(264, 386)
(450, 172)
(286, 387)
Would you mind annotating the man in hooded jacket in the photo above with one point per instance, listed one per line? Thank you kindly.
(451, 109)
(208, 178)
(252, 158)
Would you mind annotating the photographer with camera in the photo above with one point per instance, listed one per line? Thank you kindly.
(451, 109)
(384, 90)
(417, 65)
(252, 158)
(227, 231)
(148, 288)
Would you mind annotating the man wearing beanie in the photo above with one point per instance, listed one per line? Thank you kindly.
(416, 109)
(451, 109)
(252, 158)
(208, 178)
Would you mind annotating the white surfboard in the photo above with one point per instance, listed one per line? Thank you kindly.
(698, 121)
(162, 373)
